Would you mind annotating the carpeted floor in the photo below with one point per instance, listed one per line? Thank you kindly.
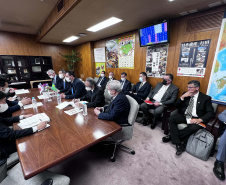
(154, 163)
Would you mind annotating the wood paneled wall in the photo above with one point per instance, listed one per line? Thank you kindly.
(178, 34)
(22, 44)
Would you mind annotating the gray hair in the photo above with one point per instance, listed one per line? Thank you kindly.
(50, 71)
(115, 85)
(91, 81)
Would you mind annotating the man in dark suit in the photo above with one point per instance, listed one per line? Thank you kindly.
(94, 96)
(141, 90)
(102, 81)
(8, 107)
(8, 136)
(77, 89)
(164, 94)
(111, 76)
(194, 108)
(118, 110)
(64, 86)
(125, 84)
(55, 79)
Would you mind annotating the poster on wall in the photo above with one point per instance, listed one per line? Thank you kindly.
(193, 58)
(217, 83)
(99, 54)
(126, 52)
(100, 66)
(112, 53)
(156, 60)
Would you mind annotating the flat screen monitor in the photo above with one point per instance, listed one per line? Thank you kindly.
(154, 34)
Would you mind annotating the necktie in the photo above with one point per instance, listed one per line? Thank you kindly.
(64, 84)
(141, 85)
(190, 106)
(108, 108)
(72, 91)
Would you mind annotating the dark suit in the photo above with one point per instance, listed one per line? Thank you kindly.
(168, 98)
(142, 92)
(118, 110)
(95, 98)
(126, 86)
(8, 137)
(77, 90)
(13, 107)
(204, 111)
(103, 82)
(57, 80)
(64, 86)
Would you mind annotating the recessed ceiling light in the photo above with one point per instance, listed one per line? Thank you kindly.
(183, 13)
(70, 39)
(109, 22)
(193, 11)
(171, 0)
(215, 4)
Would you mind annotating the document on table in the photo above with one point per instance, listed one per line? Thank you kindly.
(31, 106)
(21, 91)
(65, 104)
(73, 111)
(33, 121)
(44, 97)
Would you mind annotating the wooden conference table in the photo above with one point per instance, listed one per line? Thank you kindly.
(66, 136)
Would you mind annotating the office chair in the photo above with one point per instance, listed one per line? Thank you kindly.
(15, 176)
(127, 131)
(12, 160)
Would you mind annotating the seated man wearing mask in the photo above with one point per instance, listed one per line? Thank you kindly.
(118, 110)
(111, 76)
(8, 107)
(55, 79)
(125, 84)
(64, 86)
(141, 90)
(77, 89)
(8, 137)
(9, 91)
(164, 94)
(94, 96)
(102, 81)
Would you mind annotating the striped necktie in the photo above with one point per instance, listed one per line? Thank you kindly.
(190, 106)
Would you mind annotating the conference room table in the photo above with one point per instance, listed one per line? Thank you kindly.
(66, 136)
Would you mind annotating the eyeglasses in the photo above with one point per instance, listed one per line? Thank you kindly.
(191, 87)
(166, 79)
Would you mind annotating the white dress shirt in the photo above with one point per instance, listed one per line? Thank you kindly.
(158, 96)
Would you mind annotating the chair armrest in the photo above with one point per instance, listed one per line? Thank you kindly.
(216, 129)
(125, 125)
(48, 182)
(3, 169)
(210, 124)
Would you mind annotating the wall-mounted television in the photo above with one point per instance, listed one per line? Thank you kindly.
(154, 34)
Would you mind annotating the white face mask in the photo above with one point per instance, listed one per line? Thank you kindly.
(3, 107)
(102, 75)
(6, 90)
(123, 79)
(61, 76)
(67, 79)
(88, 88)
(110, 76)
(51, 76)
(109, 92)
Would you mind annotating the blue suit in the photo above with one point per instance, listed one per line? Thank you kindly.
(142, 92)
(118, 110)
(64, 86)
(126, 85)
(76, 90)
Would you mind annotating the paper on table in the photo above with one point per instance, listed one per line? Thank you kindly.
(33, 120)
(73, 111)
(65, 104)
(31, 106)
(21, 91)
(44, 97)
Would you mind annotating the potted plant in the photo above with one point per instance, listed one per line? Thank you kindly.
(71, 59)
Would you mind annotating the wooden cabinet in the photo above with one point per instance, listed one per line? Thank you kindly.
(23, 69)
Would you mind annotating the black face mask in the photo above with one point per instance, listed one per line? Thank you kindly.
(164, 82)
